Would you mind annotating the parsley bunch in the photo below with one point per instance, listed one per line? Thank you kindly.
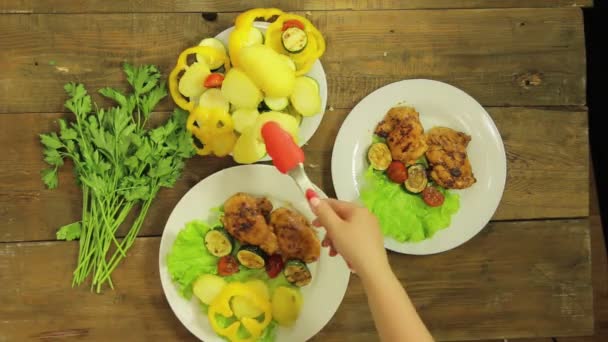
(119, 163)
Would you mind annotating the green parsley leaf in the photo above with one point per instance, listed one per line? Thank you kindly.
(69, 232)
(51, 140)
(68, 134)
(115, 95)
(49, 177)
(150, 100)
(52, 157)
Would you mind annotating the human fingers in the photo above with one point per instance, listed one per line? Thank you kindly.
(326, 215)
(342, 208)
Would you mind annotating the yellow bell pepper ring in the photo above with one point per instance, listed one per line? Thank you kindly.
(182, 65)
(240, 36)
(194, 117)
(221, 306)
(305, 58)
(214, 129)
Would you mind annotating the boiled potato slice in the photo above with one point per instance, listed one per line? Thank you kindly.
(268, 70)
(290, 63)
(286, 305)
(248, 149)
(305, 98)
(218, 46)
(191, 84)
(286, 121)
(207, 287)
(243, 307)
(214, 99)
(259, 287)
(240, 90)
(243, 118)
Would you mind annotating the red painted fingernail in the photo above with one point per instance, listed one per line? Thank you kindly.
(310, 194)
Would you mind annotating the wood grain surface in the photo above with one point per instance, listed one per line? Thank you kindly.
(102, 6)
(483, 289)
(526, 275)
(547, 171)
(514, 57)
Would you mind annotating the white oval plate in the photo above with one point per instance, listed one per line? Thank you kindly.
(309, 124)
(439, 104)
(330, 274)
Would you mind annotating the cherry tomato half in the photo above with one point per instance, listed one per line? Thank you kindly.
(293, 23)
(397, 172)
(227, 265)
(432, 197)
(214, 81)
(274, 266)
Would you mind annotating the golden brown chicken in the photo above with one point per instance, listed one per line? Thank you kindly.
(244, 219)
(447, 157)
(404, 134)
(297, 239)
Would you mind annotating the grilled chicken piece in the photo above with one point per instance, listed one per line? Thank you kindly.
(265, 207)
(296, 237)
(447, 157)
(404, 134)
(244, 219)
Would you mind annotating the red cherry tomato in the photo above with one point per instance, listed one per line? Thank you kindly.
(274, 266)
(214, 81)
(397, 172)
(432, 197)
(227, 265)
(293, 23)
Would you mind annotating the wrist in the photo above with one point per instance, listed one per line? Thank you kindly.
(376, 272)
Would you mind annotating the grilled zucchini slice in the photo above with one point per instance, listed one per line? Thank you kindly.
(297, 273)
(251, 257)
(218, 242)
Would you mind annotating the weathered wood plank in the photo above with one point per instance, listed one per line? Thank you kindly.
(547, 152)
(483, 290)
(599, 269)
(501, 57)
(100, 6)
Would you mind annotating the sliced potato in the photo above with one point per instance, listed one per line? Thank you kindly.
(217, 45)
(286, 121)
(305, 97)
(290, 63)
(291, 111)
(214, 99)
(248, 149)
(268, 70)
(207, 287)
(259, 287)
(243, 307)
(240, 90)
(191, 84)
(286, 305)
(244, 118)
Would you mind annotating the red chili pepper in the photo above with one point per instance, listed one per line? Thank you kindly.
(293, 23)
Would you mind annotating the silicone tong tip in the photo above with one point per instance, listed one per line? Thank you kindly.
(285, 153)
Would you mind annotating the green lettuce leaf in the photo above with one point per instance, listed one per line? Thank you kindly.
(189, 258)
(403, 216)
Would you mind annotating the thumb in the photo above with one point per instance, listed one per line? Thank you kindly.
(325, 213)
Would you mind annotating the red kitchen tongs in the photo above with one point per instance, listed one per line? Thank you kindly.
(288, 158)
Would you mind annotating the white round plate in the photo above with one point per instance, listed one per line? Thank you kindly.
(439, 104)
(309, 124)
(330, 274)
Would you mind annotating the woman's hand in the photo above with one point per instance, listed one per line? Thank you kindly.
(353, 232)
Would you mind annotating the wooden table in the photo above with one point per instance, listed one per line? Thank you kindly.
(527, 274)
